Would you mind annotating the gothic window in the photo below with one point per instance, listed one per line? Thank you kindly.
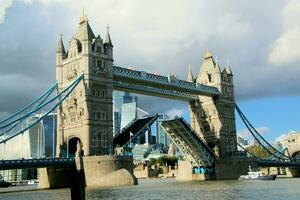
(209, 77)
(72, 116)
(98, 49)
(81, 112)
(99, 63)
(103, 115)
(93, 92)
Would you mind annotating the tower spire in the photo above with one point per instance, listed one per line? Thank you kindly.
(84, 31)
(83, 17)
(60, 46)
(107, 39)
(190, 75)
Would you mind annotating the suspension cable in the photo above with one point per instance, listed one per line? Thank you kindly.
(67, 91)
(47, 93)
(250, 128)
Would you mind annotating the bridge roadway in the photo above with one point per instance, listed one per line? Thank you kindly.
(163, 86)
(37, 163)
(269, 163)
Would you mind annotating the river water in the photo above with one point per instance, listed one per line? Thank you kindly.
(280, 189)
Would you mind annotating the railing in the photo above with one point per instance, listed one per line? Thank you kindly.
(38, 163)
(151, 89)
(195, 88)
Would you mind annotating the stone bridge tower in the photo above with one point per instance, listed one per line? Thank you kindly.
(213, 118)
(87, 114)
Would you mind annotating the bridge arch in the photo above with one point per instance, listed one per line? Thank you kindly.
(72, 145)
(296, 155)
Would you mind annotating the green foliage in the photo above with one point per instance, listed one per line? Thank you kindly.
(152, 161)
(259, 151)
(163, 160)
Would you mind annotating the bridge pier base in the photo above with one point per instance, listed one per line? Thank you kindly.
(98, 171)
(225, 169)
(232, 168)
(291, 172)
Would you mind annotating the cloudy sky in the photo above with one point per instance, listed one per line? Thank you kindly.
(259, 39)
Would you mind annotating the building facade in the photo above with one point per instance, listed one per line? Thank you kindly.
(87, 115)
(162, 138)
(213, 118)
(292, 143)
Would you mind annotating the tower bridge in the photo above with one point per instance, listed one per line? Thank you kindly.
(86, 77)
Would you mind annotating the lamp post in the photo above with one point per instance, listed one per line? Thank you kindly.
(130, 135)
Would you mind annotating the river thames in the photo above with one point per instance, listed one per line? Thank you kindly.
(282, 188)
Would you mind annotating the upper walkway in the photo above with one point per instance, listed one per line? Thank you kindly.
(162, 86)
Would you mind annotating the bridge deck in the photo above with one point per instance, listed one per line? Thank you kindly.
(36, 163)
(136, 128)
(267, 163)
(189, 143)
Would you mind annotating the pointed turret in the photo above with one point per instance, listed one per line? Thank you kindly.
(84, 31)
(108, 46)
(107, 40)
(208, 55)
(217, 68)
(60, 46)
(190, 75)
(228, 70)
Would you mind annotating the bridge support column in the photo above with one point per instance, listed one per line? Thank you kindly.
(225, 169)
(291, 172)
(98, 171)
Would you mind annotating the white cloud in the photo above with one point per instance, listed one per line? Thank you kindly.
(280, 138)
(160, 39)
(285, 49)
(175, 112)
(4, 4)
(245, 133)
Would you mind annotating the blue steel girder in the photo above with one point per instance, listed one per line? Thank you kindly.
(137, 128)
(189, 143)
(151, 90)
(36, 163)
(157, 84)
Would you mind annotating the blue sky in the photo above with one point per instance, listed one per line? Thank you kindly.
(272, 116)
(261, 47)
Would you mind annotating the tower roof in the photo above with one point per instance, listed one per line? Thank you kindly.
(208, 54)
(60, 46)
(107, 39)
(84, 31)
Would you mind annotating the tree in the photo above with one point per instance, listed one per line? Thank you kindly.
(163, 160)
(259, 151)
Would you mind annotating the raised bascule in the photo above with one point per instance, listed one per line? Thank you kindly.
(86, 77)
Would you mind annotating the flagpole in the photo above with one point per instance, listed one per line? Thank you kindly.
(130, 140)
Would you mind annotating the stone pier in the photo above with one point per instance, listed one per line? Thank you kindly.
(224, 169)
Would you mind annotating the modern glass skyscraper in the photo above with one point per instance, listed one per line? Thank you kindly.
(38, 141)
(162, 137)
